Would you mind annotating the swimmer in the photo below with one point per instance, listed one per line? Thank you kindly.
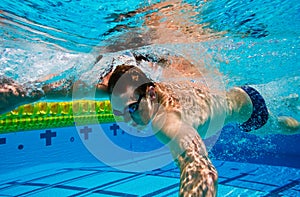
(179, 112)
(140, 101)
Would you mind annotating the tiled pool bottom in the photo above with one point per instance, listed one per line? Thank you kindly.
(235, 179)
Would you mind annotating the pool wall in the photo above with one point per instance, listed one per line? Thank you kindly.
(30, 148)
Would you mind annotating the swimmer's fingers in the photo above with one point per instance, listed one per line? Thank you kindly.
(9, 99)
(157, 6)
(46, 78)
(13, 94)
(120, 17)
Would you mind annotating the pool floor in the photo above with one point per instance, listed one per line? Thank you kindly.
(93, 179)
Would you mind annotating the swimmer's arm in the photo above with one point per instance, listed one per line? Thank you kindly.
(189, 150)
(172, 131)
(55, 87)
(13, 94)
(156, 6)
(67, 89)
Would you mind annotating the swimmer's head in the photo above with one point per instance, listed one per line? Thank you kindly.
(128, 88)
(129, 76)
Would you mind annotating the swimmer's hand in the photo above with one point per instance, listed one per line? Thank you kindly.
(13, 94)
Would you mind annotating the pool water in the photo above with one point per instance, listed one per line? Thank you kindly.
(260, 47)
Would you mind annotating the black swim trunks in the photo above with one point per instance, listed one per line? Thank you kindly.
(260, 115)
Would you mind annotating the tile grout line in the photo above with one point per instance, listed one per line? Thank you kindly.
(103, 186)
(59, 183)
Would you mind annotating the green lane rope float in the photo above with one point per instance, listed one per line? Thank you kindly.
(44, 115)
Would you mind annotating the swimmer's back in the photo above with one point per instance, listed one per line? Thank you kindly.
(196, 104)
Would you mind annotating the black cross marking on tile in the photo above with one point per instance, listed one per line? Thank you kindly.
(115, 128)
(2, 140)
(86, 132)
(48, 136)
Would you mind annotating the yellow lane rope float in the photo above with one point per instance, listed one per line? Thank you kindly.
(44, 115)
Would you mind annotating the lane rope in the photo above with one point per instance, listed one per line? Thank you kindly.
(43, 115)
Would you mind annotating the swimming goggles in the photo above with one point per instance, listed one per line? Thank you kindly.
(131, 109)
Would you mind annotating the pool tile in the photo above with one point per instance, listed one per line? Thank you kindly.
(87, 180)
(113, 193)
(17, 190)
(233, 169)
(98, 179)
(53, 192)
(4, 186)
(251, 185)
(61, 177)
(28, 174)
(172, 173)
(229, 191)
(297, 187)
(144, 185)
(273, 175)
(218, 163)
(169, 193)
(290, 192)
(97, 195)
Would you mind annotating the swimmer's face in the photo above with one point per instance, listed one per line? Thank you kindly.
(132, 106)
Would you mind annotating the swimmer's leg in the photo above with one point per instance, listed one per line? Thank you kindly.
(198, 176)
(239, 105)
(247, 100)
(260, 115)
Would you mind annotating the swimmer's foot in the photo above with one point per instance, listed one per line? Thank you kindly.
(13, 94)
(289, 125)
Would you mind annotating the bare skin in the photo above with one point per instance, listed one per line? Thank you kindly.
(167, 22)
(173, 24)
(13, 94)
(164, 106)
(180, 112)
(178, 126)
(174, 127)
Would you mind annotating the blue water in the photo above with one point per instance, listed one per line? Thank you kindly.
(262, 41)
(261, 47)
